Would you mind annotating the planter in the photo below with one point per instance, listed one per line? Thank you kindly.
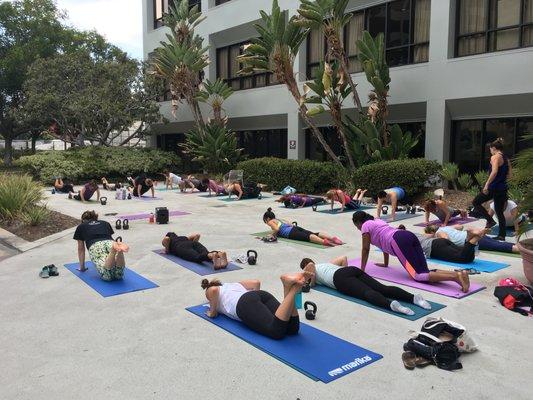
(526, 250)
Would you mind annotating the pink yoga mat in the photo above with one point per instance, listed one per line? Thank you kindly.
(135, 217)
(453, 221)
(397, 274)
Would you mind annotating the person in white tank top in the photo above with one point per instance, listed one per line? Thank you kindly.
(257, 309)
(353, 282)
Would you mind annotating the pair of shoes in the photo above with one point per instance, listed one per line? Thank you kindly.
(411, 360)
(48, 271)
(122, 224)
(469, 271)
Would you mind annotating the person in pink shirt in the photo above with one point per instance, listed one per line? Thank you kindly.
(404, 245)
(213, 187)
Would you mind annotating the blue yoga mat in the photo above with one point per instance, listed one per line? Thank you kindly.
(131, 282)
(346, 210)
(315, 353)
(419, 311)
(480, 265)
(206, 268)
(400, 216)
(510, 232)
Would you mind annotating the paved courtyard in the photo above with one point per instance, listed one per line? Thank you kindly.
(62, 340)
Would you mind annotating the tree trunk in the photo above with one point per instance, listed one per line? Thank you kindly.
(33, 143)
(337, 119)
(8, 154)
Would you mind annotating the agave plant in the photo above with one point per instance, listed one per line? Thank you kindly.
(214, 94)
(332, 17)
(522, 176)
(465, 181)
(275, 51)
(481, 177)
(450, 172)
(182, 20)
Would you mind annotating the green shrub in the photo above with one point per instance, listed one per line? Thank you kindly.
(465, 181)
(94, 162)
(35, 215)
(410, 174)
(18, 194)
(306, 176)
(481, 177)
(450, 172)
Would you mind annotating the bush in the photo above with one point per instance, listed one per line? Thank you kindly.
(94, 162)
(18, 194)
(450, 172)
(481, 177)
(305, 175)
(35, 216)
(410, 174)
(465, 181)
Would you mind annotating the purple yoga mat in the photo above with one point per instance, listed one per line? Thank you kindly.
(205, 268)
(135, 217)
(397, 274)
(453, 221)
(147, 198)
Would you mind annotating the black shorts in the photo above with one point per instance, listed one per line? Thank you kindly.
(300, 234)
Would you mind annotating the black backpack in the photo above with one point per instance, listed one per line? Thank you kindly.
(514, 297)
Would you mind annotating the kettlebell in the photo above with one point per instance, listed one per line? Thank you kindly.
(413, 209)
(310, 313)
(306, 288)
(385, 210)
(54, 191)
(294, 223)
(314, 207)
(252, 257)
(408, 210)
(103, 201)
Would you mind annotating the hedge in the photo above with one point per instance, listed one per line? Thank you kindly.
(410, 174)
(94, 162)
(305, 175)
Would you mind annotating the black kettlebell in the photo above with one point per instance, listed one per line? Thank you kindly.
(307, 287)
(413, 209)
(103, 201)
(408, 210)
(385, 210)
(252, 257)
(310, 313)
(53, 191)
(294, 223)
(314, 207)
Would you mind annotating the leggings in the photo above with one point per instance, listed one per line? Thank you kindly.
(490, 244)
(256, 310)
(356, 283)
(353, 204)
(187, 249)
(500, 197)
(66, 188)
(409, 251)
(300, 234)
(443, 249)
(311, 201)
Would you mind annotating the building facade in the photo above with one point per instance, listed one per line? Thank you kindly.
(461, 70)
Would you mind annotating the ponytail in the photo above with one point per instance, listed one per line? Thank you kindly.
(206, 284)
(497, 144)
(268, 215)
(89, 216)
(361, 217)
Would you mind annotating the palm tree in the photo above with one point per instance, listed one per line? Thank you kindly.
(275, 51)
(331, 16)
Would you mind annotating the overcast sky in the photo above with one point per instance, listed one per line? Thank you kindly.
(120, 21)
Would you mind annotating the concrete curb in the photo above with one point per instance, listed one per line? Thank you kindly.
(23, 245)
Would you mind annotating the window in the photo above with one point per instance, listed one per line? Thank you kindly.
(228, 68)
(219, 2)
(405, 24)
(470, 139)
(416, 128)
(161, 7)
(313, 148)
(264, 143)
(492, 25)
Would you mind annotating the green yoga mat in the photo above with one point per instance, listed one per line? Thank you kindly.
(309, 244)
(419, 311)
(499, 253)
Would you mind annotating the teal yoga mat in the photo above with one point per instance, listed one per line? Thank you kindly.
(510, 232)
(479, 265)
(419, 311)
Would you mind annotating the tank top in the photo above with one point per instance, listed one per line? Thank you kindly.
(284, 229)
(500, 181)
(347, 198)
(228, 297)
(441, 215)
(324, 274)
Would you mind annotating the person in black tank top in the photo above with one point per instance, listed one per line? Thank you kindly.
(495, 188)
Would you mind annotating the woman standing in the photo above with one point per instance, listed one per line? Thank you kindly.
(495, 188)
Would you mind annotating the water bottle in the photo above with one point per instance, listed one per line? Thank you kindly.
(124, 194)
(298, 303)
(151, 220)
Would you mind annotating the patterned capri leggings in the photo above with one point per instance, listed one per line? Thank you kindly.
(409, 251)
(99, 252)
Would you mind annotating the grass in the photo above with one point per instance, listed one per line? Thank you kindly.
(18, 195)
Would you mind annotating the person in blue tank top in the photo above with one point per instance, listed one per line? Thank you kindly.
(495, 188)
(392, 196)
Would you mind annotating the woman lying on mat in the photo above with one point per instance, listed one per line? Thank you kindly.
(213, 187)
(404, 245)
(513, 217)
(255, 308)
(141, 185)
(106, 254)
(299, 200)
(391, 196)
(189, 248)
(290, 231)
(108, 186)
(353, 282)
(86, 192)
(63, 186)
(351, 203)
(458, 235)
(442, 211)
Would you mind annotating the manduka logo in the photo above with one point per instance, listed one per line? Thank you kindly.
(354, 364)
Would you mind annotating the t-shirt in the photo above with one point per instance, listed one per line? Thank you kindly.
(426, 242)
(381, 234)
(174, 178)
(324, 274)
(141, 180)
(511, 205)
(176, 243)
(455, 236)
(228, 296)
(89, 191)
(93, 231)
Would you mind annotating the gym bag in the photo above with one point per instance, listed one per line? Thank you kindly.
(515, 297)
(161, 215)
(250, 190)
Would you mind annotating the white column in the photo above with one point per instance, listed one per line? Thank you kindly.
(442, 30)
(295, 136)
(438, 126)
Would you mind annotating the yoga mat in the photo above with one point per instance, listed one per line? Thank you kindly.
(479, 265)
(397, 274)
(206, 268)
(314, 353)
(400, 216)
(510, 232)
(419, 311)
(499, 253)
(346, 210)
(452, 221)
(234, 198)
(136, 217)
(147, 198)
(131, 282)
(164, 189)
(309, 244)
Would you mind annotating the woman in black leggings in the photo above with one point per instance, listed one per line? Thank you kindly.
(257, 309)
(354, 282)
(189, 248)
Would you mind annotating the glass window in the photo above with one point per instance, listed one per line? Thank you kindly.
(467, 145)
(376, 19)
(353, 32)
(504, 128)
(161, 7)
(263, 143)
(398, 24)
(313, 148)
(219, 2)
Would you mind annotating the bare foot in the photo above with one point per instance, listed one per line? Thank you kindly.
(121, 247)
(464, 214)
(166, 243)
(224, 257)
(290, 280)
(464, 281)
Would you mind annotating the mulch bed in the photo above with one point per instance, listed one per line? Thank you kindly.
(454, 198)
(55, 223)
